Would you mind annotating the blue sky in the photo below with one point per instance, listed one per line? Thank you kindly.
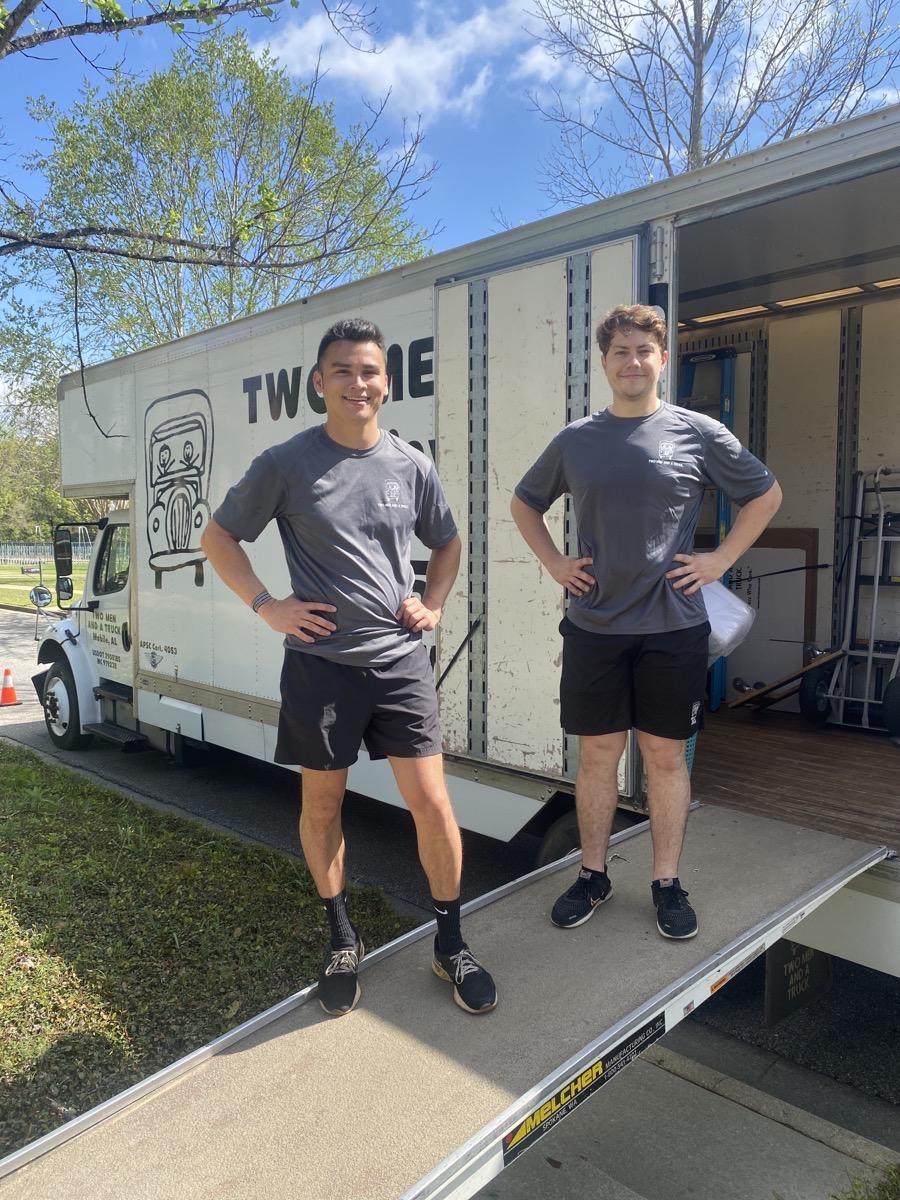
(465, 67)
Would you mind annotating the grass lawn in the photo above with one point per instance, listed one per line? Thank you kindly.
(129, 938)
(14, 586)
(886, 1186)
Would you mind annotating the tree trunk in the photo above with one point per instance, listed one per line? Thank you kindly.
(695, 140)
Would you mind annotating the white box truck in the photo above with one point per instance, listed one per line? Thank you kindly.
(780, 275)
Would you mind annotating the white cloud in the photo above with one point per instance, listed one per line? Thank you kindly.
(442, 65)
(538, 68)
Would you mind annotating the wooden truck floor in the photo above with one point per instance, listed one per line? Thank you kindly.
(777, 764)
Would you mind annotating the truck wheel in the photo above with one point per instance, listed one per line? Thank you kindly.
(560, 839)
(60, 701)
(563, 837)
(814, 700)
(890, 707)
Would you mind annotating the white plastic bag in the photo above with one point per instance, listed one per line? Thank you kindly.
(730, 619)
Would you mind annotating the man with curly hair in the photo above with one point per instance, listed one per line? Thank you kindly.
(635, 633)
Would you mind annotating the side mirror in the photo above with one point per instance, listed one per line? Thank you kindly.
(64, 588)
(62, 552)
(40, 596)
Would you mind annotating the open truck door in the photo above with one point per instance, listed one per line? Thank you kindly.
(527, 330)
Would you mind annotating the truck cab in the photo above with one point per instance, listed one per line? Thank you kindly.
(87, 689)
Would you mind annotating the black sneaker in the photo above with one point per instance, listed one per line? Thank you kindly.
(674, 916)
(338, 989)
(473, 988)
(574, 907)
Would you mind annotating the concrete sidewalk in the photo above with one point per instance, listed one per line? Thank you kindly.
(670, 1128)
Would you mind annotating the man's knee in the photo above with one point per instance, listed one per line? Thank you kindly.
(602, 753)
(431, 802)
(661, 754)
(322, 793)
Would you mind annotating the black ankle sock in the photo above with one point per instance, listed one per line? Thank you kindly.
(343, 934)
(598, 881)
(449, 934)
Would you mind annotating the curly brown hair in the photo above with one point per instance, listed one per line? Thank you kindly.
(626, 317)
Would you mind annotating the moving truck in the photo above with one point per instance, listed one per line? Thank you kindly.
(779, 272)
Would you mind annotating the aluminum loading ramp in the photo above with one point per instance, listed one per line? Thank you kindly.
(411, 1097)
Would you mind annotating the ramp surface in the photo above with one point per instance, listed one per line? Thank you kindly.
(366, 1107)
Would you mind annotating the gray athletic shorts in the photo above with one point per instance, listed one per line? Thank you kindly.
(328, 709)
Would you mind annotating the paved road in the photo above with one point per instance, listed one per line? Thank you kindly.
(848, 1035)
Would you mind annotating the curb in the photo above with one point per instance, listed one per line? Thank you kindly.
(135, 794)
(817, 1129)
(29, 609)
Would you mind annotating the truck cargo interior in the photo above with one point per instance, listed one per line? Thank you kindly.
(802, 297)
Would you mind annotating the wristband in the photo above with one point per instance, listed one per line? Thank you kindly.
(258, 601)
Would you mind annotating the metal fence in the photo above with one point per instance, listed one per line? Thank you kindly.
(29, 554)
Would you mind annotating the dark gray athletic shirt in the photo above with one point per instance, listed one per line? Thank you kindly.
(637, 486)
(346, 519)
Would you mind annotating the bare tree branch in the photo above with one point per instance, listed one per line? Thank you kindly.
(689, 82)
(351, 20)
(77, 315)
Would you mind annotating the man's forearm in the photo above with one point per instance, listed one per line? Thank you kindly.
(533, 528)
(751, 521)
(230, 562)
(443, 567)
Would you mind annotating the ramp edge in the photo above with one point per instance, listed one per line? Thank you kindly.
(490, 1150)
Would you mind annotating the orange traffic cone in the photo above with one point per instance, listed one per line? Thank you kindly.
(8, 693)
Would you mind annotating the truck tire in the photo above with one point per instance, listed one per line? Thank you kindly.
(60, 703)
(814, 701)
(890, 707)
(563, 837)
(560, 839)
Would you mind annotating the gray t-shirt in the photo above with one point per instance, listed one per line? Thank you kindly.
(637, 486)
(346, 519)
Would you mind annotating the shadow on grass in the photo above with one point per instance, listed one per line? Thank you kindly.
(79, 1071)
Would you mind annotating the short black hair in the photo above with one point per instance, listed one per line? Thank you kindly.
(352, 329)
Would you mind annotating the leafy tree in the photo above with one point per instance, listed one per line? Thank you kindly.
(30, 24)
(30, 500)
(31, 362)
(219, 150)
(685, 83)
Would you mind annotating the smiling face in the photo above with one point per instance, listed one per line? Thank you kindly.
(353, 380)
(633, 365)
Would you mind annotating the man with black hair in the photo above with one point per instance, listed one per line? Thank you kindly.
(348, 498)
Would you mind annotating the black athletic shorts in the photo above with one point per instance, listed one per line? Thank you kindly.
(328, 709)
(653, 682)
